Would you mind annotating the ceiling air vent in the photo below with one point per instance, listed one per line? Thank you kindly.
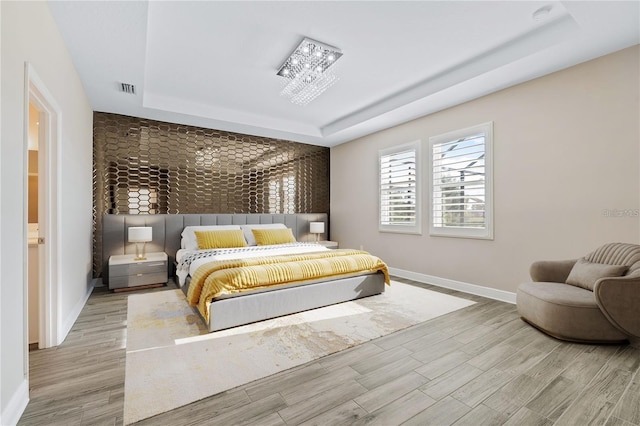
(128, 88)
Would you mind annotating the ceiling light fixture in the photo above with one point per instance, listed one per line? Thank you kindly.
(309, 71)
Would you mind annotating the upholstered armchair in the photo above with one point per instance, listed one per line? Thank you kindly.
(594, 299)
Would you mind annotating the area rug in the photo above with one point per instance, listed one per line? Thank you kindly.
(172, 360)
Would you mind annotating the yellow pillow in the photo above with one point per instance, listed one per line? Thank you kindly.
(220, 239)
(265, 237)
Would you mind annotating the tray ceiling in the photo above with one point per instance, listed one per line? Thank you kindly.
(213, 64)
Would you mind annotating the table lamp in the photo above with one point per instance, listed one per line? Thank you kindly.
(140, 234)
(316, 228)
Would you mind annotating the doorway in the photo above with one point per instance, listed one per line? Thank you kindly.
(41, 224)
(33, 219)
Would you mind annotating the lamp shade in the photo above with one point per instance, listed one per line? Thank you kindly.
(316, 227)
(140, 234)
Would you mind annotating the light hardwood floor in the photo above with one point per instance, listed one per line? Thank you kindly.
(477, 366)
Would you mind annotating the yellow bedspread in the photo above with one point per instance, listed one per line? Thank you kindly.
(221, 277)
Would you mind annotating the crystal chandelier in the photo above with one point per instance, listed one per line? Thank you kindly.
(309, 71)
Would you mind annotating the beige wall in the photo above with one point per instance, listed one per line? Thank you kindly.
(566, 147)
(29, 33)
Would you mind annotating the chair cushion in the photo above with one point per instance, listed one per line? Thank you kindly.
(565, 311)
(584, 274)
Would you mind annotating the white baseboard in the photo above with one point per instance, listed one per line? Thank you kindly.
(16, 406)
(491, 293)
(75, 313)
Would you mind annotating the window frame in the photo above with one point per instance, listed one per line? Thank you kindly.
(485, 232)
(415, 228)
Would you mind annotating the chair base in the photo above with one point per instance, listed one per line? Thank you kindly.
(566, 312)
(572, 340)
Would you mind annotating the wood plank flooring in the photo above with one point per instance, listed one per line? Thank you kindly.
(481, 365)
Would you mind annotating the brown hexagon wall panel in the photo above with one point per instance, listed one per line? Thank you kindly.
(148, 167)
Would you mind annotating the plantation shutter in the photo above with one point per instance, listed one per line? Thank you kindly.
(459, 183)
(398, 193)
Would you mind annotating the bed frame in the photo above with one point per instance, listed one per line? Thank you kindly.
(245, 309)
(235, 311)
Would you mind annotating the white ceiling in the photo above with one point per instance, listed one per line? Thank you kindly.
(213, 63)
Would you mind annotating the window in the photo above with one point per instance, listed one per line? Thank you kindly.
(461, 183)
(400, 189)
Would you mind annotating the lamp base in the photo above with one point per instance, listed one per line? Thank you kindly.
(140, 256)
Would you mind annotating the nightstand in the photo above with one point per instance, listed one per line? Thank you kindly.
(125, 272)
(329, 244)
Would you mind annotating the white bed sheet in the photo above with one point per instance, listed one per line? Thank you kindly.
(181, 253)
(242, 253)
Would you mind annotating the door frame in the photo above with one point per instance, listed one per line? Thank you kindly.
(50, 136)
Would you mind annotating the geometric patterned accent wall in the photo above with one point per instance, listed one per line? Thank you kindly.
(144, 166)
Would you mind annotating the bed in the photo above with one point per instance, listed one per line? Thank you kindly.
(234, 308)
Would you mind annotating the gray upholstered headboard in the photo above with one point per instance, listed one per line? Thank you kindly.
(167, 230)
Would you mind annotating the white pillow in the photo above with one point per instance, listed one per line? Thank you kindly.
(251, 239)
(189, 241)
